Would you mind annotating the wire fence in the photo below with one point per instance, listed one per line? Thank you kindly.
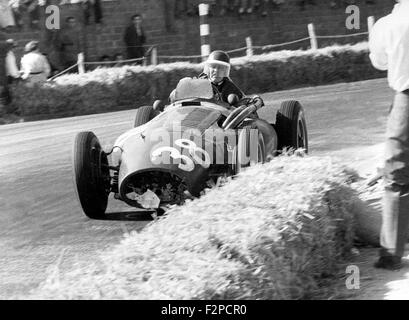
(63, 72)
(115, 62)
(265, 47)
(152, 56)
(343, 35)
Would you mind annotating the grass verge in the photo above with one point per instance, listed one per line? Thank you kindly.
(277, 231)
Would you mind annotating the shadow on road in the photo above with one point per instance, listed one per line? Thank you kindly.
(141, 215)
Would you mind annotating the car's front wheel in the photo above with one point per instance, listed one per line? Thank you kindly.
(91, 175)
(291, 126)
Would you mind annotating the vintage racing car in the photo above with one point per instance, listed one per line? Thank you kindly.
(175, 151)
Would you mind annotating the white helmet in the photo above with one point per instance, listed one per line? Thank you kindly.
(217, 66)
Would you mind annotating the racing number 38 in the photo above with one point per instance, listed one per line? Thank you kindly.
(187, 162)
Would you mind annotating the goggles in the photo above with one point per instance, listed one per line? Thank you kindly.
(221, 69)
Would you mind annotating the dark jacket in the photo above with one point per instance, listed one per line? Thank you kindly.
(4, 90)
(70, 43)
(95, 6)
(134, 43)
(225, 87)
(4, 48)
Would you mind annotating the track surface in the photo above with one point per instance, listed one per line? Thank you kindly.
(41, 220)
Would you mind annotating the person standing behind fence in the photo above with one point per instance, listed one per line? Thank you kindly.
(70, 43)
(6, 15)
(4, 88)
(135, 39)
(118, 57)
(96, 7)
(34, 66)
(12, 71)
(389, 50)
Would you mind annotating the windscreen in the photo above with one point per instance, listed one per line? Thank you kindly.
(182, 118)
(189, 88)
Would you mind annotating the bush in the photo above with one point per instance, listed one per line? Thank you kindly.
(275, 232)
(113, 89)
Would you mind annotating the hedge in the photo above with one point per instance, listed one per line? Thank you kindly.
(112, 89)
(277, 231)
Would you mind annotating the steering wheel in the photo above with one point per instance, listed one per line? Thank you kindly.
(244, 101)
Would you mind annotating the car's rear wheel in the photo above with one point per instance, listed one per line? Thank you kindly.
(291, 126)
(144, 114)
(91, 175)
(250, 148)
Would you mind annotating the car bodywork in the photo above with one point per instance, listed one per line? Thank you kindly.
(186, 147)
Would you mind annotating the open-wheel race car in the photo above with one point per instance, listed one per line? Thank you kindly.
(177, 150)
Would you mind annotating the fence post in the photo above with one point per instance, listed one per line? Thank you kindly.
(371, 22)
(249, 45)
(154, 56)
(204, 30)
(81, 66)
(313, 37)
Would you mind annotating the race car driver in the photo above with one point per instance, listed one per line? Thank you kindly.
(217, 71)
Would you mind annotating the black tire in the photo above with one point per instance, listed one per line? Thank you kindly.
(291, 126)
(245, 156)
(91, 175)
(144, 114)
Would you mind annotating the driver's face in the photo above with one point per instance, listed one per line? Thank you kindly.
(137, 21)
(217, 72)
(72, 23)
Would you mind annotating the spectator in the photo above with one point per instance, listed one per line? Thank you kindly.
(51, 45)
(31, 6)
(92, 5)
(105, 58)
(135, 39)
(54, 69)
(225, 6)
(70, 44)
(11, 65)
(389, 50)
(34, 66)
(17, 15)
(303, 3)
(180, 7)
(4, 88)
(248, 6)
(170, 7)
(119, 57)
(183, 7)
(6, 14)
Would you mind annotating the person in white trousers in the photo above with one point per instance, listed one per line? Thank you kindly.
(389, 50)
